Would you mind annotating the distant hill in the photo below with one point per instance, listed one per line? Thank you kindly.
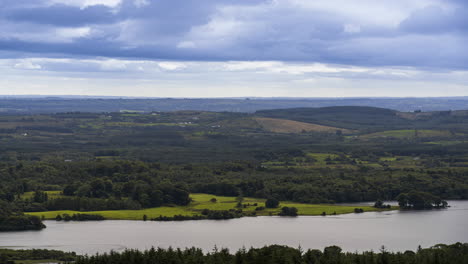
(351, 117)
(35, 104)
(371, 119)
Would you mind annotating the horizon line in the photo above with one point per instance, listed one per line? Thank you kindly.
(2, 96)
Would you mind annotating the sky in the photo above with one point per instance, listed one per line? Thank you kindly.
(234, 48)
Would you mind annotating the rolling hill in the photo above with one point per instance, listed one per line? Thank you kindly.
(372, 119)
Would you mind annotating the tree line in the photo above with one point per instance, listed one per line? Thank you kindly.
(275, 254)
(11, 219)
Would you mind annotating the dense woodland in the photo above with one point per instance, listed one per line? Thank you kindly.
(10, 256)
(275, 254)
(129, 160)
(441, 254)
(12, 219)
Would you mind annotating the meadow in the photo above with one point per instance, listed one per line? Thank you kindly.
(203, 201)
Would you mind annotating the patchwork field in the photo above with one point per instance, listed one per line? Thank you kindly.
(203, 201)
(342, 161)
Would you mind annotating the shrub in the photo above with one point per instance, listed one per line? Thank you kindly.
(271, 203)
(358, 210)
(288, 211)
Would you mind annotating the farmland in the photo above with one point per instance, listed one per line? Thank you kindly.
(129, 164)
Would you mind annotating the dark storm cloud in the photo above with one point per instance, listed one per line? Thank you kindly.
(62, 15)
(434, 20)
(289, 30)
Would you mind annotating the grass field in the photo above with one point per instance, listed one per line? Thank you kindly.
(202, 201)
(50, 195)
(445, 142)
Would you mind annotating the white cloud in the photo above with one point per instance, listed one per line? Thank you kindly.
(141, 3)
(41, 33)
(352, 28)
(112, 65)
(382, 12)
(289, 68)
(27, 65)
(172, 65)
(360, 32)
(86, 3)
(219, 31)
(269, 69)
(209, 79)
(251, 65)
(72, 33)
(186, 45)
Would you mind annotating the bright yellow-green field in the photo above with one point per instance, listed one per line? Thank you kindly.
(50, 195)
(202, 201)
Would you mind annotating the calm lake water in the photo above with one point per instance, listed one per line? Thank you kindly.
(353, 232)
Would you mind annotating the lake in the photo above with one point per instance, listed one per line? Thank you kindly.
(397, 230)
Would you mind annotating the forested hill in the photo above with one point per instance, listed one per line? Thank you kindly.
(133, 160)
(362, 117)
(34, 105)
(192, 136)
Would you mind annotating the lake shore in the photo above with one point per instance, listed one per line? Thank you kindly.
(205, 201)
(397, 230)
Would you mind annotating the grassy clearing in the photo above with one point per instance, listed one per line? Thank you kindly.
(322, 157)
(388, 159)
(202, 201)
(50, 195)
(445, 142)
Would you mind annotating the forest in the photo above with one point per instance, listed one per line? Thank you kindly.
(453, 254)
(274, 254)
(11, 219)
(136, 160)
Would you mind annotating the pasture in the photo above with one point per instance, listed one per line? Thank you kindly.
(203, 201)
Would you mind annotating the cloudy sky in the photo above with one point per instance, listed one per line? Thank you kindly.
(230, 48)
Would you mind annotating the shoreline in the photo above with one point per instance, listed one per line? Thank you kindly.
(137, 215)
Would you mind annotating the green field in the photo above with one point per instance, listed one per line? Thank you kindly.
(202, 201)
(410, 133)
(446, 142)
(50, 194)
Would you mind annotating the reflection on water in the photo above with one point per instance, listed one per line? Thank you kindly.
(396, 230)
